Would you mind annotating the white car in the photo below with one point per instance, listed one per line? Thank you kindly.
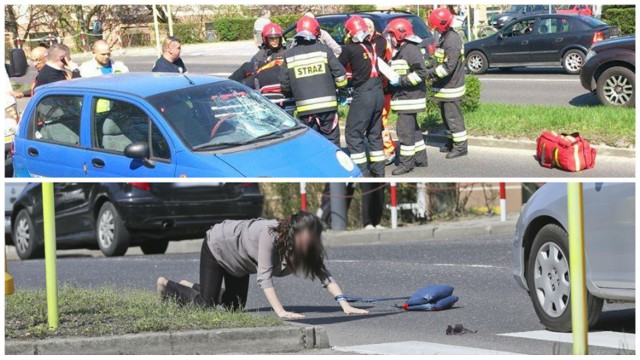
(541, 250)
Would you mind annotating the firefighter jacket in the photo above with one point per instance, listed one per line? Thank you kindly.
(311, 73)
(410, 96)
(448, 71)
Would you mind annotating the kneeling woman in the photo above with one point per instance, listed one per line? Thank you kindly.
(235, 249)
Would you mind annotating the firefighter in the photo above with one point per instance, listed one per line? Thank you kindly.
(312, 74)
(263, 69)
(365, 113)
(384, 52)
(448, 82)
(409, 94)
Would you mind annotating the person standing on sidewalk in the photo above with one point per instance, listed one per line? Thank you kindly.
(448, 82)
(364, 119)
(311, 74)
(234, 249)
(170, 61)
(409, 93)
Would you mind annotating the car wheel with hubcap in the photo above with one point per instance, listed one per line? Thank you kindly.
(617, 87)
(477, 63)
(151, 247)
(24, 237)
(572, 61)
(548, 280)
(111, 233)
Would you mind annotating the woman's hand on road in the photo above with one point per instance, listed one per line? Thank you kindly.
(349, 310)
(290, 315)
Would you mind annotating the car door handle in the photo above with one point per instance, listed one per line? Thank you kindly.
(559, 39)
(33, 151)
(98, 163)
(524, 42)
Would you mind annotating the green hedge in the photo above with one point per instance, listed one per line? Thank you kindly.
(234, 29)
(624, 18)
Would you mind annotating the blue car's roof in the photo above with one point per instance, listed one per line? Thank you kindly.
(139, 84)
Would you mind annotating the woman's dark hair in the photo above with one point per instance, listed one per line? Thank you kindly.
(312, 263)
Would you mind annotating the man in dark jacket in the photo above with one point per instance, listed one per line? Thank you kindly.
(448, 81)
(311, 73)
(170, 61)
(59, 66)
(409, 94)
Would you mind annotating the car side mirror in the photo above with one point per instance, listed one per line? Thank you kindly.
(139, 151)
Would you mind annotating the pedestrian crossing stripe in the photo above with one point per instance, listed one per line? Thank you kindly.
(608, 339)
(417, 348)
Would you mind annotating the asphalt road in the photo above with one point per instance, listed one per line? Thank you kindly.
(479, 268)
(543, 86)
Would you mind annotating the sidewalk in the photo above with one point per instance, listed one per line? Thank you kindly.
(437, 230)
(187, 49)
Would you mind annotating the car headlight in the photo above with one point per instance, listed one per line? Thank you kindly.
(503, 18)
(345, 161)
(590, 54)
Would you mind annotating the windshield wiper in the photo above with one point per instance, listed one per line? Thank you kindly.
(208, 147)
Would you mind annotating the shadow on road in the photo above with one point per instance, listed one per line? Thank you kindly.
(527, 71)
(617, 320)
(586, 99)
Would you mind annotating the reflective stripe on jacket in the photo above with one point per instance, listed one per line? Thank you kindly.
(448, 73)
(410, 96)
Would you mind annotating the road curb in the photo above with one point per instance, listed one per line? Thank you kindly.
(528, 145)
(421, 233)
(282, 339)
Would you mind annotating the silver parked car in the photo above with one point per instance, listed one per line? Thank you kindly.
(541, 250)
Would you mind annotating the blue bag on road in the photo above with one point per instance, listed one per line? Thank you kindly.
(430, 294)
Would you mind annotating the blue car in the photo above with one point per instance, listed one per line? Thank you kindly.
(167, 125)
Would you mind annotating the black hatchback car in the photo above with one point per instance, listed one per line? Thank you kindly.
(548, 40)
(334, 25)
(113, 216)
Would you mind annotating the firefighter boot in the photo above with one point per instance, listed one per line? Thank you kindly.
(447, 147)
(401, 170)
(459, 149)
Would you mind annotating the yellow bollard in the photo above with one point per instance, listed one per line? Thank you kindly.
(9, 287)
(576, 268)
(49, 219)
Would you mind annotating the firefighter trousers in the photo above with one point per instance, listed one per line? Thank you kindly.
(364, 121)
(326, 123)
(412, 147)
(451, 113)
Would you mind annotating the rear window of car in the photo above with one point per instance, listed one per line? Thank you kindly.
(593, 21)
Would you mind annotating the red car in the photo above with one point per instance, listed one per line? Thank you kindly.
(575, 9)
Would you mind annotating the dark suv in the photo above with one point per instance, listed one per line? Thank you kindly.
(113, 216)
(610, 71)
(334, 25)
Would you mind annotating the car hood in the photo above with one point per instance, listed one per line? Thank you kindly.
(306, 155)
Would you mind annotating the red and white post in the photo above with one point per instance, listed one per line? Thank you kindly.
(303, 196)
(503, 202)
(394, 206)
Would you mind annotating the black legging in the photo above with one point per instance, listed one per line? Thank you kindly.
(207, 292)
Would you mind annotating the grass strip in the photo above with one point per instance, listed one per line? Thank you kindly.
(110, 311)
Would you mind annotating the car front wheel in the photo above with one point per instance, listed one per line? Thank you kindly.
(572, 61)
(24, 237)
(548, 281)
(477, 63)
(113, 236)
(617, 87)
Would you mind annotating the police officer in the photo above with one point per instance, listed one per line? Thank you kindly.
(409, 95)
(311, 74)
(365, 113)
(448, 82)
(264, 67)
